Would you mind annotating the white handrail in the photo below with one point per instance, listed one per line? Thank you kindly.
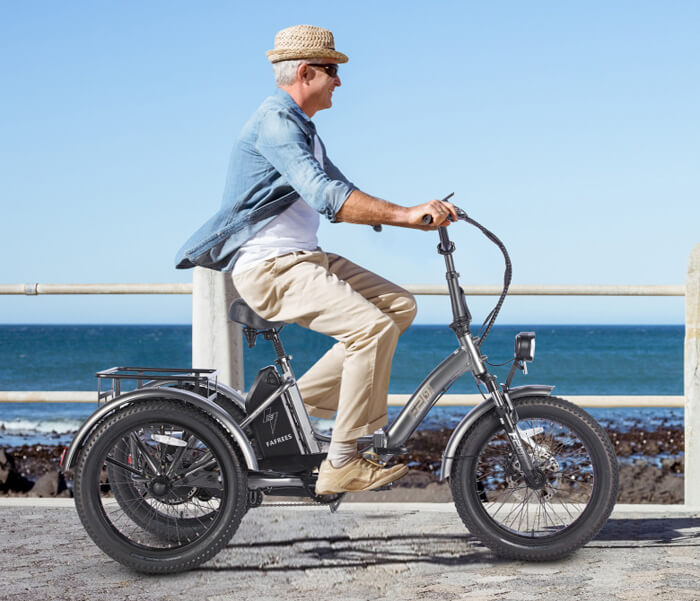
(420, 289)
(35, 289)
(395, 400)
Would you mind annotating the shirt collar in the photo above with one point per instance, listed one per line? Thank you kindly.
(289, 102)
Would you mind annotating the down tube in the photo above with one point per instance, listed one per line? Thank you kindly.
(427, 394)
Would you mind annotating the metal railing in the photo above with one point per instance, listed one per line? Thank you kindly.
(395, 400)
(35, 289)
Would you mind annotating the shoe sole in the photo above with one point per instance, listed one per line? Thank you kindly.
(392, 477)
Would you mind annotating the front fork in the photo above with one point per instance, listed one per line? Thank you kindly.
(508, 417)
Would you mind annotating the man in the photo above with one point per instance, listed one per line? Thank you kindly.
(280, 178)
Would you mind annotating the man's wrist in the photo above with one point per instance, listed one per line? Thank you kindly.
(398, 215)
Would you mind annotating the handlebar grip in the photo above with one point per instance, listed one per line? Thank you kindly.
(428, 219)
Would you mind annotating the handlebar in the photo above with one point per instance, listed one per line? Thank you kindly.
(446, 248)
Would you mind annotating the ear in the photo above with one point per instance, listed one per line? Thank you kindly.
(304, 72)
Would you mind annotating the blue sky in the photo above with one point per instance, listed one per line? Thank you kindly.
(570, 129)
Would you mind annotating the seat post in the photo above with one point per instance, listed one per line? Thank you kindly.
(277, 343)
(293, 396)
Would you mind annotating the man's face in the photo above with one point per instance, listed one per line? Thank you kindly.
(321, 83)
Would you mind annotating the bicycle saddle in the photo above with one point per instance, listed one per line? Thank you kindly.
(241, 313)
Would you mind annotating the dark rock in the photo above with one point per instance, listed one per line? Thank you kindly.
(47, 486)
(11, 480)
(4, 467)
(644, 483)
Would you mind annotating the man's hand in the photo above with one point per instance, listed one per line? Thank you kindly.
(363, 208)
(440, 212)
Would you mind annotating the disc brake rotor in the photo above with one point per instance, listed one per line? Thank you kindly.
(542, 459)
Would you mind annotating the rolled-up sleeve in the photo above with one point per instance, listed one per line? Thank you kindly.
(335, 173)
(285, 145)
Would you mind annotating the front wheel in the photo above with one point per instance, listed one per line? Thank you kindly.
(576, 485)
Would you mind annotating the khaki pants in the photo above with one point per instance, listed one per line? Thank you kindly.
(365, 313)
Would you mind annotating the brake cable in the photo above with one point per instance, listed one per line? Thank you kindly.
(507, 275)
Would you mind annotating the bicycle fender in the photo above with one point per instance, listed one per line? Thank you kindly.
(145, 394)
(476, 413)
(233, 395)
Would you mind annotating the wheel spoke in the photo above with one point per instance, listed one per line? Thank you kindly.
(179, 454)
(125, 467)
(145, 453)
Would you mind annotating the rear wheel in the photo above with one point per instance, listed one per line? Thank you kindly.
(148, 511)
(563, 507)
(159, 487)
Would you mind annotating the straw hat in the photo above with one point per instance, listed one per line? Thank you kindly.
(304, 41)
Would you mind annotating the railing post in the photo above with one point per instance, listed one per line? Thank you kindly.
(692, 380)
(216, 341)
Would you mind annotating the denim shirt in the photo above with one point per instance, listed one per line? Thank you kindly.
(271, 166)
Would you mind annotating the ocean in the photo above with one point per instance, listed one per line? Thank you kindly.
(579, 360)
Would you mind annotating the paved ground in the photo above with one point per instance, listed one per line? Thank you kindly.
(365, 551)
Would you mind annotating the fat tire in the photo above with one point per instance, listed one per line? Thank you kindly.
(466, 493)
(98, 526)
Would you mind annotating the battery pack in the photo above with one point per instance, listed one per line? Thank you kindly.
(272, 428)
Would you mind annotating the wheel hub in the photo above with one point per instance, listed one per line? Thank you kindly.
(537, 479)
(161, 486)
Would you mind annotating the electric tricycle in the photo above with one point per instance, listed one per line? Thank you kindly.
(165, 469)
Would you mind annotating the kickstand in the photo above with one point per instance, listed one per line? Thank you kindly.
(335, 504)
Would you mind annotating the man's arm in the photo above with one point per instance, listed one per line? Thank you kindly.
(284, 145)
(363, 208)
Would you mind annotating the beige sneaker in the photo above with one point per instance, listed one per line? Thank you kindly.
(356, 475)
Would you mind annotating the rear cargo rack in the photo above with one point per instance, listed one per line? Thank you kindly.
(148, 377)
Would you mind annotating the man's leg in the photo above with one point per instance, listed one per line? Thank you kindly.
(300, 288)
(320, 385)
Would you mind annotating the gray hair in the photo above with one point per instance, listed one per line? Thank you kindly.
(286, 71)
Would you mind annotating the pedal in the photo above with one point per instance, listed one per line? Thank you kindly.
(388, 486)
(392, 451)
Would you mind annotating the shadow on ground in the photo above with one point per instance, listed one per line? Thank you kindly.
(344, 551)
(682, 531)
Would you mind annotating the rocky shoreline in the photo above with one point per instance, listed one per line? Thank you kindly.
(651, 468)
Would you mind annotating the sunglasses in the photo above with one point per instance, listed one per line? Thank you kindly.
(331, 69)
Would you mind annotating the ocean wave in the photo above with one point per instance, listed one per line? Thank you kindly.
(40, 426)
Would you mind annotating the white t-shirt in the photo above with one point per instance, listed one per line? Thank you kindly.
(293, 229)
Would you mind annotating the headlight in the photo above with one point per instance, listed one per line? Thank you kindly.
(525, 346)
